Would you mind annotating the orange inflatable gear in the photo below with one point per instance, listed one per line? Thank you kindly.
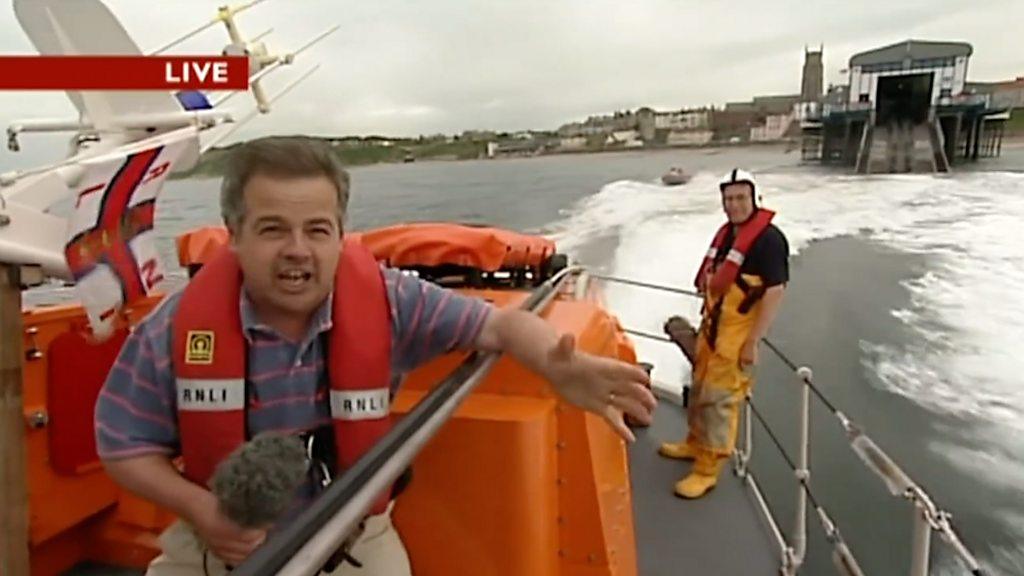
(406, 245)
(482, 248)
(196, 247)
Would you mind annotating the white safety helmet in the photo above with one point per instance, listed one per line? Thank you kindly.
(738, 175)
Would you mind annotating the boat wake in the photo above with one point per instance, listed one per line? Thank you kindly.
(965, 314)
(964, 308)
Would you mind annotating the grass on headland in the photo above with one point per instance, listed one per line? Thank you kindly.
(362, 152)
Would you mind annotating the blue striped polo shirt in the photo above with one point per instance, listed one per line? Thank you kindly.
(136, 411)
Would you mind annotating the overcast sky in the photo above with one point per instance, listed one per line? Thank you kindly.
(409, 67)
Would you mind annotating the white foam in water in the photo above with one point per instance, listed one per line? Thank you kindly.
(658, 228)
(967, 310)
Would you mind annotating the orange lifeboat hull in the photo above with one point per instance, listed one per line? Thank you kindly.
(517, 482)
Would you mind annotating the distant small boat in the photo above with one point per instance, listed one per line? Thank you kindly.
(675, 177)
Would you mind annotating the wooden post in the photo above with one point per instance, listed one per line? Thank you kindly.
(13, 492)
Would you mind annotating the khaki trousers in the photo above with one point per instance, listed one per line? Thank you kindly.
(379, 550)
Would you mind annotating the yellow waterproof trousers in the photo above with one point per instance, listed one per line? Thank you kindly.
(719, 383)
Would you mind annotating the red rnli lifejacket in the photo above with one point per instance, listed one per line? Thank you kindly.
(717, 280)
(210, 363)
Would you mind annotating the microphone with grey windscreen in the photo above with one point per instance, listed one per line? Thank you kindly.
(258, 481)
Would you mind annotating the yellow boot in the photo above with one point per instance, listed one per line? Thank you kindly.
(678, 450)
(695, 485)
(703, 476)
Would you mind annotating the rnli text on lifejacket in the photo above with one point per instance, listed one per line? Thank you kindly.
(207, 396)
(360, 404)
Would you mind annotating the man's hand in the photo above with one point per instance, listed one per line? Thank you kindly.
(601, 385)
(748, 354)
(227, 540)
(155, 478)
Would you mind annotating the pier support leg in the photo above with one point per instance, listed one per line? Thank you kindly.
(851, 159)
(977, 137)
(967, 141)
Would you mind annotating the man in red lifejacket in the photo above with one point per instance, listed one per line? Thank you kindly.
(292, 330)
(742, 279)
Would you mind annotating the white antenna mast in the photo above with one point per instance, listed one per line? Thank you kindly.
(261, 62)
(241, 122)
(224, 14)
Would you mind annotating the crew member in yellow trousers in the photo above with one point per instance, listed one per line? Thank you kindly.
(742, 278)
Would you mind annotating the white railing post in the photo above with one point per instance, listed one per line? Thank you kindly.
(927, 517)
(803, 472)
(922, 542)
(743, 455)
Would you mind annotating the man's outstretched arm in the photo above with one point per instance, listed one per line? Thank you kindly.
(429, 320)
(601, 385)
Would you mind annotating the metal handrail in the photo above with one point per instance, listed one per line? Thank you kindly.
(305, 545)
(927, 516)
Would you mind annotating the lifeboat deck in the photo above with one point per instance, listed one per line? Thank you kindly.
(720, 534)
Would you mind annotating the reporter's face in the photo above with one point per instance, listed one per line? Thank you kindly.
(288, 242)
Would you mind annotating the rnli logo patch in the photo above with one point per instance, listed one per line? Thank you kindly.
(199, 347)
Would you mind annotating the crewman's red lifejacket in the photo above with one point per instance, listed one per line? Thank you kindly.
(717, 280)
(210, 356)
